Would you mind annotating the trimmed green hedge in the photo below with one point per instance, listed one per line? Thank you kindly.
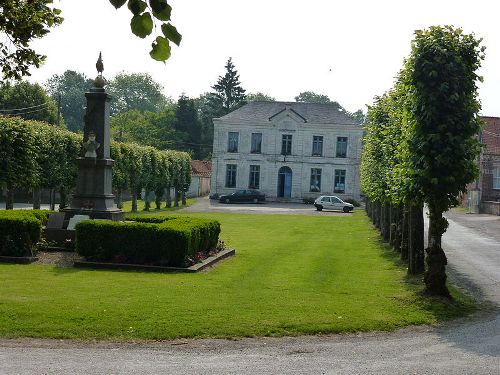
(165, 241)
(20, 230)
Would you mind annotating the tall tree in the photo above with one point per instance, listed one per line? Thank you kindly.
(442, 78)
(208, 106)
(69, 90)
(27, 100)
(259, 96)
(312, 97)
(24, 21)
(137, 91)
(228, 88)
(186, 121)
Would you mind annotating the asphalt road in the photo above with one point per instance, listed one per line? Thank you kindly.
(467, 346)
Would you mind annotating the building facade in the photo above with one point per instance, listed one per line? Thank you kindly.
(200, 178)
(289, 151)
(489, 180)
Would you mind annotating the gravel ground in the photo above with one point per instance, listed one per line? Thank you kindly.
(465, 346)
(57, 258)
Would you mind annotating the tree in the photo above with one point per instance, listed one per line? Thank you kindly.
(186, 121)
(132, 126)
(27, 100)
(24, 21)
(228, 88)
(442, 77)
(137, 91)
(312, 97)
(259, 96)
(208, 106)
(69, 89)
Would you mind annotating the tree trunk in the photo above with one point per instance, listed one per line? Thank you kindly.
(37, 192)
(119, 199)
(386, 231)
(9, 198)
(184, 202)
(147, 203)
(52, 199)
(176, 198)
(395, 240)
(134, 199)
(158, 196)
(435, 274)
(63, 203)
(377, 214)
(168, 198)
(416, 240)
(404, 232)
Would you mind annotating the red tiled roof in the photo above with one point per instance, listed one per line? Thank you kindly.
(201, 168)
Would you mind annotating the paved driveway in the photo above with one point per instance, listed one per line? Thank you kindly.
(467, 346)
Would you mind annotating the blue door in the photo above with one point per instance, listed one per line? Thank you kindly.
(284, 182)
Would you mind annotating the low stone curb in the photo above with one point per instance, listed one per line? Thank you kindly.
(18, 260)
(140, 267)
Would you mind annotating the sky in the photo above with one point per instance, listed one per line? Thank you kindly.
(350, 50)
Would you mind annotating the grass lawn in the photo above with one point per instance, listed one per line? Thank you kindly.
(291, 275)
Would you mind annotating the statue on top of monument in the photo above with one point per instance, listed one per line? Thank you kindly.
(99, 81)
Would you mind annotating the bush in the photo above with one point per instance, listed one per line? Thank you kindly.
(352, 201)
(19, 231)
(149, 240)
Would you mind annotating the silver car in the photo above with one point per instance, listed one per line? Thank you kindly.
(331, 202)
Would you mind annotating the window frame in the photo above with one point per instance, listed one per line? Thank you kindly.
(341, 141)
(231, 173)
(252, 150)
(315, 176)
(286, 144)
(338, 174)
(254, 176)
(317, 144)
(233, 148)
(495, 183)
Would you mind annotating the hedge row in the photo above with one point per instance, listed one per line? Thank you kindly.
(36, 155)
(166, 241)
(20, 230)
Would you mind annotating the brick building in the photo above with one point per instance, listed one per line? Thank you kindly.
(489, 181)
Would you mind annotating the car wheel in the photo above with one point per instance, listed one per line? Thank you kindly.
(255, 200)
(319, 208)
(228, 200)
(346, 209)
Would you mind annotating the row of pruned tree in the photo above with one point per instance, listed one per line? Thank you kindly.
(420, 147)
(38, 156)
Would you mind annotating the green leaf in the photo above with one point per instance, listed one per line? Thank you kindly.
(142, 25)
(161, 49)
(171, 33)
(117, 3)
(137, 6)
(161, 10)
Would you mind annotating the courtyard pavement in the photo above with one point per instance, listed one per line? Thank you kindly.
(464, 346)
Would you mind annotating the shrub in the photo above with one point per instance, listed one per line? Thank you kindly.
(149, 240)
(352, 201)
(19, 231)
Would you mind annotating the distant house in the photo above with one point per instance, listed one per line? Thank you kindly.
(287, 150)
(201, 172)
(489, 180)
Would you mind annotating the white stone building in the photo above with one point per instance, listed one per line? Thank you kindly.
(287, 150)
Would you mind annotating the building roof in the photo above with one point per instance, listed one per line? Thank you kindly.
(201, 168)
(311, 112)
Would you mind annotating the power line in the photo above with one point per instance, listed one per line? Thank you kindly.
(24, 113)
(22, 109)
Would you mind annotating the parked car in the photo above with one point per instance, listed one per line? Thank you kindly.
(240, 196)
(332, 202)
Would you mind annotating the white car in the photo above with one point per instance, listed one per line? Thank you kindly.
(331, 202)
